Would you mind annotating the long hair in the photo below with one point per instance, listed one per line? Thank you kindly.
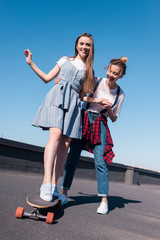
(88, 78)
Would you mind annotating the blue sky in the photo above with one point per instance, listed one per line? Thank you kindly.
(49, 29)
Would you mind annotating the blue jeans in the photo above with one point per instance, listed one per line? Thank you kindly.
(100, 164)
(71, 163)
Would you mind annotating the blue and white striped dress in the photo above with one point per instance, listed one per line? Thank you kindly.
(61, 107)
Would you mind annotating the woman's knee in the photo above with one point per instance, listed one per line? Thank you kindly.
(55, 133)
(100, 163)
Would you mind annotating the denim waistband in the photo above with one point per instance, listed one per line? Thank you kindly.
(93, 113)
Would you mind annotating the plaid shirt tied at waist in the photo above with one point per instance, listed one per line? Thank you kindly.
(93, 137)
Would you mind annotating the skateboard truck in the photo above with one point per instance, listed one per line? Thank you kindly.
(35, 214)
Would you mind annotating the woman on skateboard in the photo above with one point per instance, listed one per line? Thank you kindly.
(60, 112)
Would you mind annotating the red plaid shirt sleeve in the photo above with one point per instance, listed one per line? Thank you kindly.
(91, 138)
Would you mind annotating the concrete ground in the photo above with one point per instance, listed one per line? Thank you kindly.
(134, 211)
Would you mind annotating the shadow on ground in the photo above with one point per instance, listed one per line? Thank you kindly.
(58, 212)
(113, 201)
(119, 202)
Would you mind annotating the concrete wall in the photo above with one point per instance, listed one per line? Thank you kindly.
(24, 157)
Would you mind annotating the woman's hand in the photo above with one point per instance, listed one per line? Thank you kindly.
(28, 55)
(57, 80)
(105, 102)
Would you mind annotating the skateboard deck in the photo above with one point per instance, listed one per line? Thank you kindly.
(37, 203)
(34, 200)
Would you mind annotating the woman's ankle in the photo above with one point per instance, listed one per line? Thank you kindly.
(65, 192)
(104, 199)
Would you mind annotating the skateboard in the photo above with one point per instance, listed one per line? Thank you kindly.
(38, 204)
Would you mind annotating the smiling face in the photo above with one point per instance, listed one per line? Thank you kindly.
(113, 74)
(83, 47)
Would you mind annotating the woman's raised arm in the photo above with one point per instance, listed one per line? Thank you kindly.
(46, 77)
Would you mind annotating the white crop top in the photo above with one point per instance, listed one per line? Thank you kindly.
(103, 91)
(79, 64)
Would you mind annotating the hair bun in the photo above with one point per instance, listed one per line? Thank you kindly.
(124, 59)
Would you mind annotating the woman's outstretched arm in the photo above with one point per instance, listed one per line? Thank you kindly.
(46, 77)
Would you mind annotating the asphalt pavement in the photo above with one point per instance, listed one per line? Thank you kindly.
(134, 211)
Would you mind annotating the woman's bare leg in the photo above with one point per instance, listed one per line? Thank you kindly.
(50, 152)
(60, 158)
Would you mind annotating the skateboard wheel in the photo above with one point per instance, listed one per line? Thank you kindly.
(59, 203)
(50, 217)
(19, 212)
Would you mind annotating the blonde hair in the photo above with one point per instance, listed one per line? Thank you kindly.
(87, 86)
(121, 62)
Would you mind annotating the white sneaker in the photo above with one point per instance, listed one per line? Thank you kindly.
(103, 208)
(46, 192)
(55, 192)
(63, 199)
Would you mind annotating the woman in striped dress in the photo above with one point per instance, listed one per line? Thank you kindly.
(60, 112)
